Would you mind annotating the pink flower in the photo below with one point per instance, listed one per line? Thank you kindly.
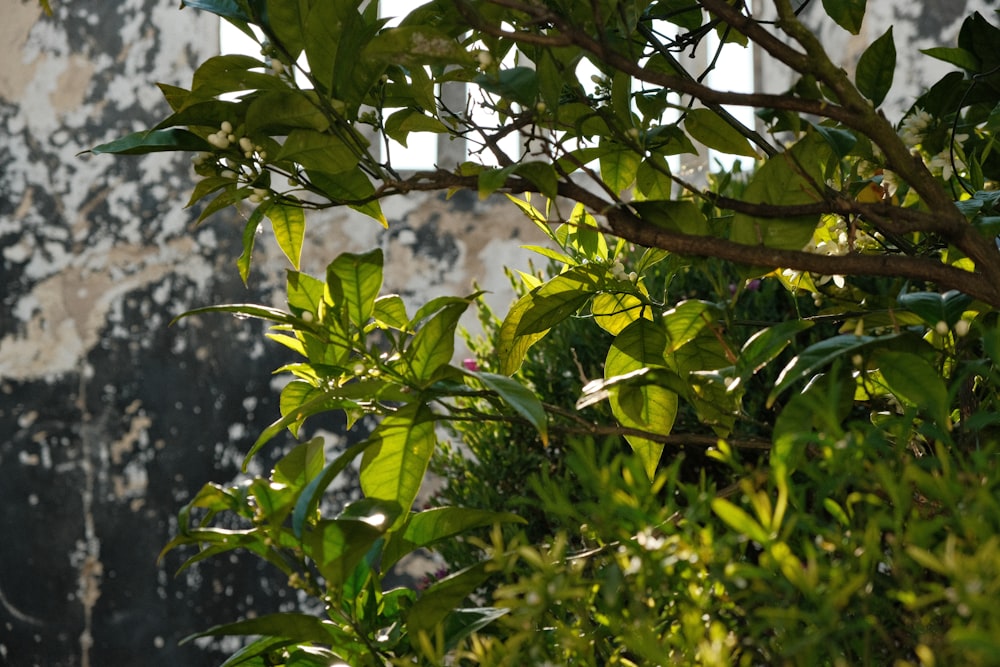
(470, 365)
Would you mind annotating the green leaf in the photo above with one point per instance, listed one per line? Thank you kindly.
(707, 127)
(310, 497)
(677, 216)
(765, 345)
(319, 151)
(412, 45)
(289, 625)
(245, 310)
(429, 527)
(686, 320)
(793, 177)
(647, 407)
(434, 344)
(229, 74)
(542, 175)
(394, 467)
(518, 84)
(823, 353)
(338, 545)
(352, 188)
(491, 180)
(523, 400)
(249, 238)
(619, 166)
(876, 68)
(652, 178)
(559, 298)
(305, 293)
(301, 465)
(841, 141)
(282, 111)
(390, 311)
(955, 56)
(287, 20)
(934, 307)
(288, 222)
(399, 125)
(912, 378)
(737, 519)
(155, 141)
(848, 14)
(443, 597)
(229, 9)
(511, 346)
(354, 281)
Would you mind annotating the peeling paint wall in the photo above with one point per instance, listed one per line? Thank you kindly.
(110, 419)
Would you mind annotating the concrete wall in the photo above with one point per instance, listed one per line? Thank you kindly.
(110, 419)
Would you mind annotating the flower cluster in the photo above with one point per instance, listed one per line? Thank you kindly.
(244, 171)
(915, 130)
(618, 271)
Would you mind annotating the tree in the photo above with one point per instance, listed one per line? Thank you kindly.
(875, 400)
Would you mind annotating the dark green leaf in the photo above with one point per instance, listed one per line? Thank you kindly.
(914, 380)
(523, 400)
(848, 14)
(140, 143)
(249, 238)
(289, 625)
(443, 597)
(677, 216)
(934, 307)
(282, 111)
(876, 68)
(431, 526)
(319, 151)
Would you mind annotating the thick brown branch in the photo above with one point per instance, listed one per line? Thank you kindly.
(624, 223)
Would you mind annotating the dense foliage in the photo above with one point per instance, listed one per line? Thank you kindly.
(753, 422)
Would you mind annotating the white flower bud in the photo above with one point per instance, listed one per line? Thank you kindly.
(228, 173)
(962, 328)
(261, 192)
(307, 316)
(226, 127)
(255, 199)
(633, 276)
(941, 327)
(246, 145)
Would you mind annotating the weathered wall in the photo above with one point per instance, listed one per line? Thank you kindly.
(110, 419)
